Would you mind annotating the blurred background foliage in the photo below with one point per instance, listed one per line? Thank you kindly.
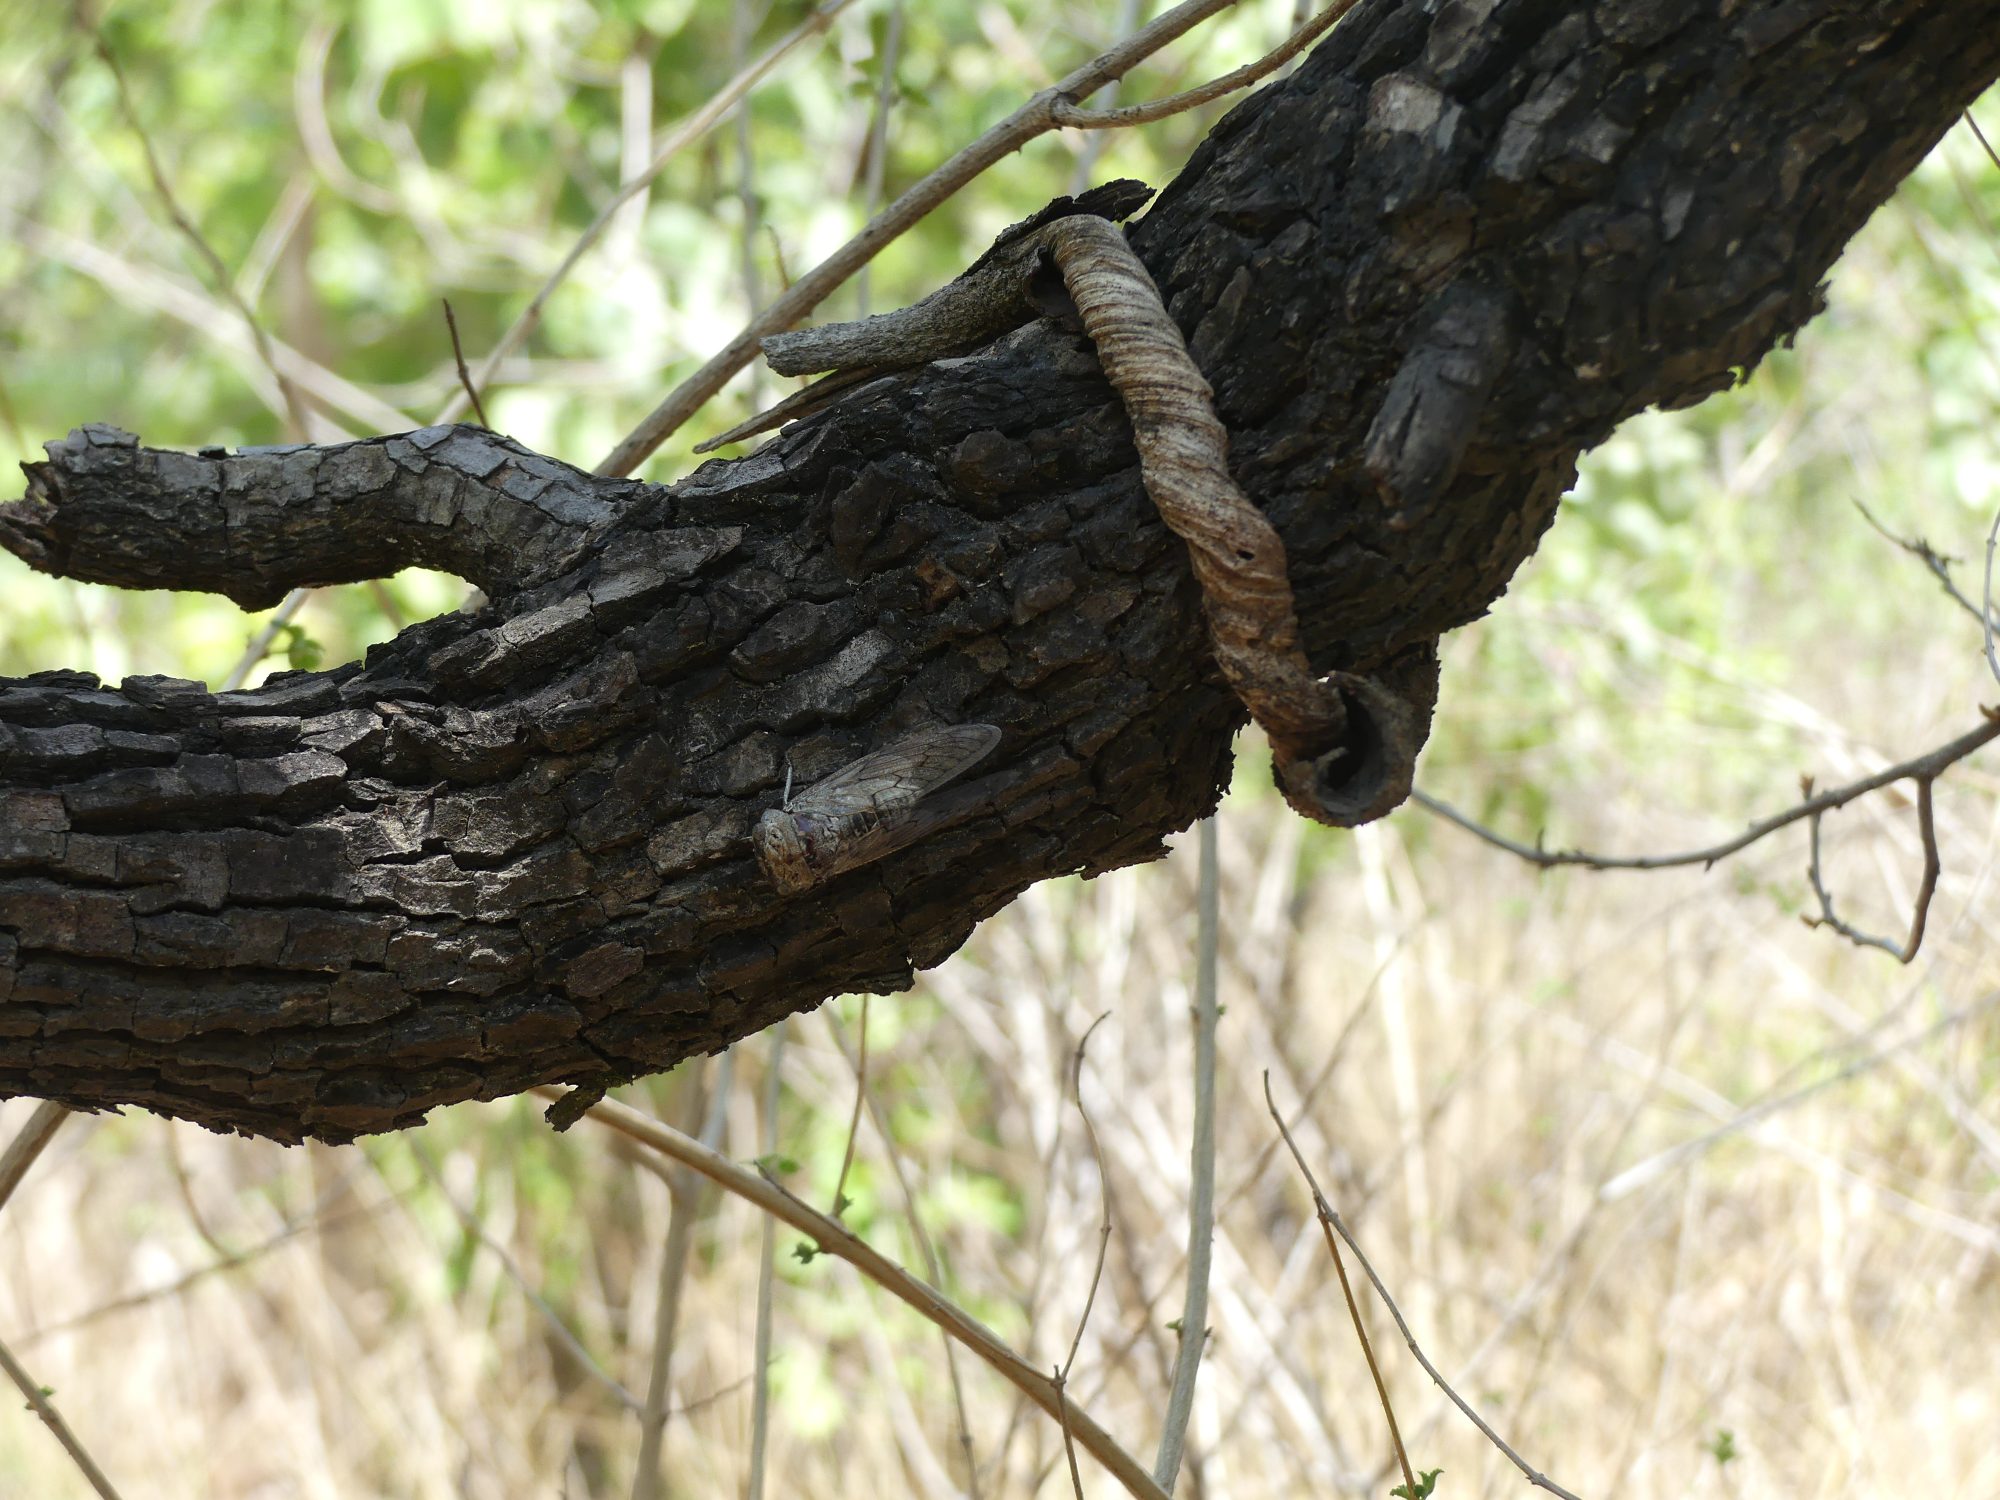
(1540, 1097)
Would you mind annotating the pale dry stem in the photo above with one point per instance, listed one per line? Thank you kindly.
(835, 1239)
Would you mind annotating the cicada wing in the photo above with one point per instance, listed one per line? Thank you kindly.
(900, 774)
(864, 842)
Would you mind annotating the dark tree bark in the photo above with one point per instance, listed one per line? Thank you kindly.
(1423, 275)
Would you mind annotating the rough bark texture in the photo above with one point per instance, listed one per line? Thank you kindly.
(1459, 246)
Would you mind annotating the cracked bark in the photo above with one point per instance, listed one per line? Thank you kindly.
(1454, 250)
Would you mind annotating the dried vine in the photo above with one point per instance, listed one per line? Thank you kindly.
(1342, 746)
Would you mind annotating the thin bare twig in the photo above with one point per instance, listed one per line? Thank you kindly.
(1069, 116)
(693, 128)
(1326, 1216)
(836, 1239)
(1094, 143)
(184, 1186)
(854, 1119)
(1034, 118)
(1923, 769)
(464, 375)
(1331, 1223)
(1103, 1245)
(1927, 829)
(1921, 549)
(1928, 765)
(1991, 155)
(146, 1298)
(743, 23)
(316, 133)
(1201, 1153)
(1104, 1191)
(28, 1143)
(225, 284)
(39, 1403)
(767, 1249)
(878, 137)
(1986, 599)
(933, 1267)
(1061, 1379)
(673, 1275)
(386, 602)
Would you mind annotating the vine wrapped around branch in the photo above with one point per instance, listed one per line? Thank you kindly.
(1344, 746)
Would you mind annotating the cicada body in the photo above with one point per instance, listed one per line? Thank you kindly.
(866, 809)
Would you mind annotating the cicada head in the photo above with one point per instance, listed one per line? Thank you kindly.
(782, 852)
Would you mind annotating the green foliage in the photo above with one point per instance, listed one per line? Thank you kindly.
(1425, 1484)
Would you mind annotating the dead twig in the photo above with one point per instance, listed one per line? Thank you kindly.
(1928, 766)
(1927, 829)
(877, 144)
(564, 1334)
(646, 1478)
(1326, 1222)
(715, 109)
(1923, 769)
(28, 1144)
(836, 1239)
(933, 1267)
(1103, 1244)
(840, 1200)
(1645, 1173)
(1986, 600)
(1069, 116)
(259, 645)
(1201, 1168)
(1331, 1223)
(1921, 549)
(225, 284)
(147, 287)
(1036, 117)
(41, 1406)
(464, 376)
(767, 1250)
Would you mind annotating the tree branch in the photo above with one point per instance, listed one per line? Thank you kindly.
(261, 521)
(1421, 274)
(1923, 769)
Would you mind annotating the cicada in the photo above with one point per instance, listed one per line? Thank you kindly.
(866, 809)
